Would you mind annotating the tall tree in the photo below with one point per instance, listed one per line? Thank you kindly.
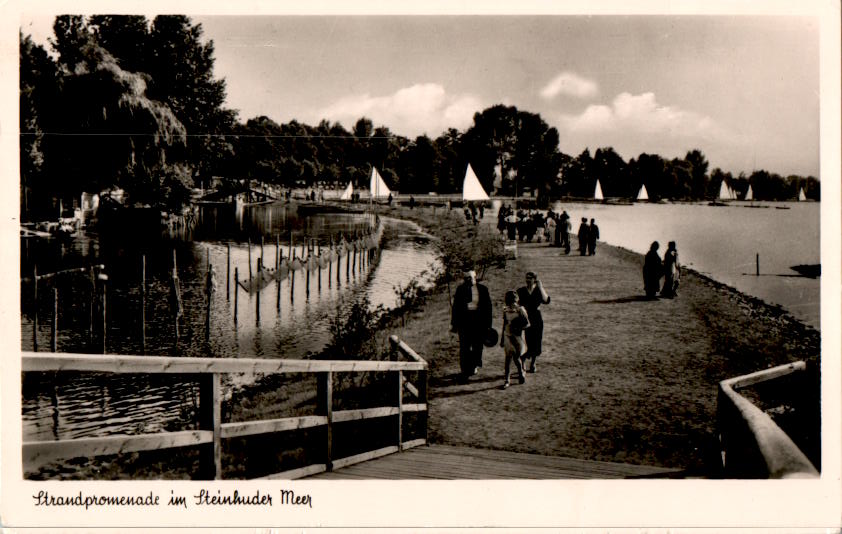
(699, 169)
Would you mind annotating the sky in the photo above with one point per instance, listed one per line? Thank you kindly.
(742, 89)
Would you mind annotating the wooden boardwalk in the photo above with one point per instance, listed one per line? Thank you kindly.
(445, 462)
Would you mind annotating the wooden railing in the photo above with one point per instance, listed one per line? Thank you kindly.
(752, 445)
(211, 428)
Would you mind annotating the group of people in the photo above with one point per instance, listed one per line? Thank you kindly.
(521, 331)
(474, 213)
(654, 269)
(526, 225)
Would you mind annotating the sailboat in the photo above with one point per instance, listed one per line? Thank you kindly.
(471, 188)
(801, 196)
(597, 194)
(377, 187)
(725, 193)
(643, 194)
(348, 193)
(749, 194)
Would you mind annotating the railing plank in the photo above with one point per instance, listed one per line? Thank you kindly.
(268, 426)
(39, 452)
(397, 344)
(419, 407)
(165, 364)
(364, 413)
(764, 375)
(357, 458)
(301, 472)
(414, 443)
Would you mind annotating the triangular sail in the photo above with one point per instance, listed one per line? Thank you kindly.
(749, 193)
(724, 191)
(348, 193)
(801, 196)
(471, 188)
(643, 194)
(377, 187)
(597, 194)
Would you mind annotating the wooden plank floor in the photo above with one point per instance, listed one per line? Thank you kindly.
(445, 462)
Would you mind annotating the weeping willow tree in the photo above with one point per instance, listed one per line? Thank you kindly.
(104, 131)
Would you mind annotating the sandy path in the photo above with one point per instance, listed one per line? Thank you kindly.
(621, 378)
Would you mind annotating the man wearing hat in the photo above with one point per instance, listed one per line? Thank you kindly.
(471, 319)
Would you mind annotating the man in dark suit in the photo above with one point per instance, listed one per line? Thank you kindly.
(471, 319)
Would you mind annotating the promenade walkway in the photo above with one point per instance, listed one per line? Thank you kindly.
(621, 378)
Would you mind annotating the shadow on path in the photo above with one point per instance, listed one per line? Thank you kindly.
(623, 300)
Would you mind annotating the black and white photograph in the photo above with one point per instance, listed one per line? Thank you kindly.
(271, 261)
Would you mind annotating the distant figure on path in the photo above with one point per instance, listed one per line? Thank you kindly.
(530, 297)
(672, 271)
(411, 202)
(652, 271)
(551, 230)
(562, 237)
(593, 235)
(584, 234)
(389, 200)
(470, 318)
(515, 321)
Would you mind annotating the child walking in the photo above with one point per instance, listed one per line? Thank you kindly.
(515, 320)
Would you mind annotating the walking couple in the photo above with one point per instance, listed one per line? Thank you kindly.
(522, 329)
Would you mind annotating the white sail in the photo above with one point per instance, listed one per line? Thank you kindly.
(724, 191)
(643, 195)
(471, 188)
(597, 194)
(801, 196)
(348, 193)
(749, 194)
(378, 188)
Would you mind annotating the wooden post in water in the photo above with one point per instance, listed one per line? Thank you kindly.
(54, 328)
(261, 247)
(257, 293)
(757, 264)
(104, 316)
(278, 275)
(210, 418)
(347, 264)
(307, 268)
(249, 241)
(228, 274)
(209, 289)
(91, 304)
(292, 278)
(277, 252)
(35, 314)
(236, 293)
(143, 303)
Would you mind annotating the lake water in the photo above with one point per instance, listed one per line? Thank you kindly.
(724, 242)
(283, 320)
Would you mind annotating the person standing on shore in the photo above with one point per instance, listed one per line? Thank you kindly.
(593, 235)
(470, 318)
(652, 271)
(531, 296)
(515, 321)
(562, 231)
(584, 234)
(672, 271)
(550, 230)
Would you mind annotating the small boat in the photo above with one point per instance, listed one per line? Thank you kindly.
(810, 271)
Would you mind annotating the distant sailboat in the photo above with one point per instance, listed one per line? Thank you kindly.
(801, 196)
(749, 194)
(597, 194)
(471, 188)
(643, 194)
(377, 187)
(725, 192)
(348, 193)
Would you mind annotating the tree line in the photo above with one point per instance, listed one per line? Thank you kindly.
(129, 103)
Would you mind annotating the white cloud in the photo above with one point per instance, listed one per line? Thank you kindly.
(410, 111)
(570, 84)
(641, 114)
(633, 124)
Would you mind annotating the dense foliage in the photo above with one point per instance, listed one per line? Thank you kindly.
(125, 102)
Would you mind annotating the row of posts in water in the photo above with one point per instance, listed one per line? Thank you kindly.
(359, 253)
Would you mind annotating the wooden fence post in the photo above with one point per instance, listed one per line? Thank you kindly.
(54, 329)
(35, 316)
(400, 410)
(236, 292)
(228, 274)
(249, 242)
(210, 418)
(325, 399)
(143, 303)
